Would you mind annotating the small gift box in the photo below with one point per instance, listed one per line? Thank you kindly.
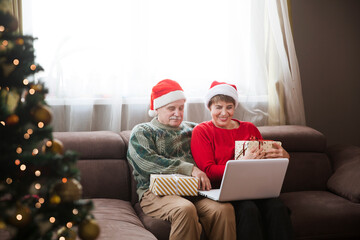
(242, 146)
(173, 184)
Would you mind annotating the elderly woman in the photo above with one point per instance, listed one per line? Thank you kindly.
(213, 144)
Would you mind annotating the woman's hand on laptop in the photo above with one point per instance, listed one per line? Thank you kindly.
(277, 152)
(204, 181)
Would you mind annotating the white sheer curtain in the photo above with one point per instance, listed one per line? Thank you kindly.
(286, 105)
(101, 58)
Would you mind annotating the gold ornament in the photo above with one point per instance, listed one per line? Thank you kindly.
(11, 99)
(55, 199)
(21, 217)
(69, 191)
(89, 230)
(67, 233)
(42, 114)
(13, 23)
(11, 120)
(37, 87)
(19, 41)
(2, 224)
(54, 146)
(7, 68)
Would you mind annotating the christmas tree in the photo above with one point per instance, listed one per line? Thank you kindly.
(40, 195)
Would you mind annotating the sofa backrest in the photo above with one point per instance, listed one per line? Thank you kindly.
(309, 167)
(105, 172)
(102, 163)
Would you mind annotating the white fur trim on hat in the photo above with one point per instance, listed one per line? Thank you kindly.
(223, 89)
(168, 98)
(152, 113)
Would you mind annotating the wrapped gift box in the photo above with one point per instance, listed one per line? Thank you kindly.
(242, 146)
(173, 184)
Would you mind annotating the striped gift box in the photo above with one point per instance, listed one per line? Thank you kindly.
(173, 184)
(242, 146)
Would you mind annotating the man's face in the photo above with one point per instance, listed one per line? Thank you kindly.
(171, 114)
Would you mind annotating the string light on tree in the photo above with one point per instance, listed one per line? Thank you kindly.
(75, 211)
(33, 67)
(22, 167)
(37, 173)
(16, 62)
(8, 180)
(35, 151)
(52, 220)
(18, 150)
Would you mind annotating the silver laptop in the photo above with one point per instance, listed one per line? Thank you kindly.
(250, 179)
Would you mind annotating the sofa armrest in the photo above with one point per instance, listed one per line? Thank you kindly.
(345, 180)
(158, 227)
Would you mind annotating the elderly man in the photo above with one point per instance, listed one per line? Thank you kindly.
(163, 146)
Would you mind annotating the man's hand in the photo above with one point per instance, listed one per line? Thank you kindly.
(277, 152)
(204, 181)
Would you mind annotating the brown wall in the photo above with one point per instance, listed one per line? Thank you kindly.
(327, 41)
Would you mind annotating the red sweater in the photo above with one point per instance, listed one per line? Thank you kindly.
(212, 147)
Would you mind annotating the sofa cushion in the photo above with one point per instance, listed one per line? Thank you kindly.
(322, 215)
(118, 220)
(105, 178)
(345, 182)
(346, 178)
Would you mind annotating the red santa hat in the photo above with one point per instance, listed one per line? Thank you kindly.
(223, 88)
(163, 93)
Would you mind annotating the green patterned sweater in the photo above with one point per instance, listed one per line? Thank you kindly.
(155, 148)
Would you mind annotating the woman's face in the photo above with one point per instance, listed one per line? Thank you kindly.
(222, 113)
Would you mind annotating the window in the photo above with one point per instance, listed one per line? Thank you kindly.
(112, 52)
(107, 48)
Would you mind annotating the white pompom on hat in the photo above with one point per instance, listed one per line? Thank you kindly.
(163, 93)
(223, 88)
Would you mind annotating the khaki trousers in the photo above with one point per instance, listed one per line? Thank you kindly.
(189, 215)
